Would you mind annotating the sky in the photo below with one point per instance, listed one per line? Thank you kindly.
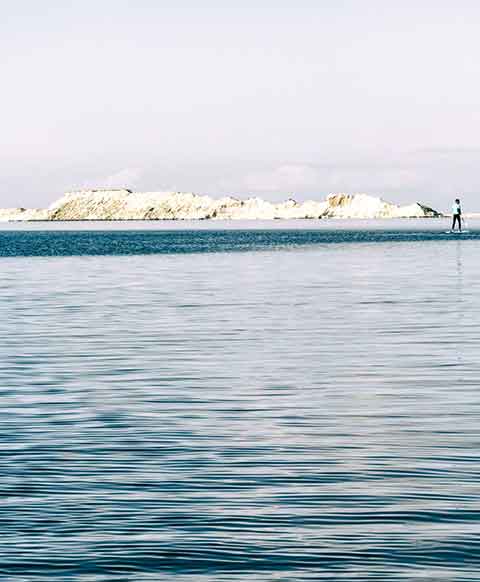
(270, 98)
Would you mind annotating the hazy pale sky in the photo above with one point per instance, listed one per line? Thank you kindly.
(260, 97)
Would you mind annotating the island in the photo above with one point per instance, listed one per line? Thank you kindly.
(124, 204)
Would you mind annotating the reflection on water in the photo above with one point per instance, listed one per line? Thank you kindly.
(299, 414)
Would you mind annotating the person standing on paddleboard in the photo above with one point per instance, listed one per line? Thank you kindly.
(457, 215)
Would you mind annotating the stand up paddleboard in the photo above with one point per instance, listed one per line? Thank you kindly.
(457, 231)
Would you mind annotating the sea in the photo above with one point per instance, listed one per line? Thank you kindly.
(239, 401)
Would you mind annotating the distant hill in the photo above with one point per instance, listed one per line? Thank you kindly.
(127, 205)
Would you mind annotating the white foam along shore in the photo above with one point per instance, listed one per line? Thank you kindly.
(127, 205)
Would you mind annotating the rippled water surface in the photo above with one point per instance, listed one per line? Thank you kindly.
(239, 405)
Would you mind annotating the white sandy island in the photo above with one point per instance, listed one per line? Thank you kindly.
(124, 204)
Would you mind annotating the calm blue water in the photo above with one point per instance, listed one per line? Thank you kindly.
(239, 405)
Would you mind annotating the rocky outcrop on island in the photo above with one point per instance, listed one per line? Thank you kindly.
(127, 205)
(364, 206)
